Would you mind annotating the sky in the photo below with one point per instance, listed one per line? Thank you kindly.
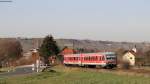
(113, 20)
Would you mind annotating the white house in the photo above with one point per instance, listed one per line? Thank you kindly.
(129, 57)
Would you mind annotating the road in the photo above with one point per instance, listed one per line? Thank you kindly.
(18, 71)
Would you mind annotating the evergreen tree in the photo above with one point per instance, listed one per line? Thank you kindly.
(48, 48)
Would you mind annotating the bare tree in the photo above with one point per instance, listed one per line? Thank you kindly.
(10, 50)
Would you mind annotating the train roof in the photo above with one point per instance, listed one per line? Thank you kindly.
(109, 52)
(99, 53)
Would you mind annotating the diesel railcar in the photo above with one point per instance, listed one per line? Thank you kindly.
(103, 59)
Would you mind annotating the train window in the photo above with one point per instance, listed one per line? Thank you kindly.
(100, 58)
(85, 58)
(89, 58)
(108, 58)
(70, 58)
(103, 58)
(92, 58)
(96, 58)
(76, 58)
(111, 58)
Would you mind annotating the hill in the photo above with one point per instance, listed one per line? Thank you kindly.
(30, 43)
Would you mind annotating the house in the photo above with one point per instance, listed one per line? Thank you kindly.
(64, 51)
(67, 50)
(129, 57)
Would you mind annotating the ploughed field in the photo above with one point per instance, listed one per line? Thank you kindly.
(71, 75)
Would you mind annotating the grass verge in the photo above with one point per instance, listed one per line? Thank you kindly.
(65, 75)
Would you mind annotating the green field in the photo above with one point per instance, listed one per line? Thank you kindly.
(75, 76)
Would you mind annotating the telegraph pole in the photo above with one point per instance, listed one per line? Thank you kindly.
(8, 1)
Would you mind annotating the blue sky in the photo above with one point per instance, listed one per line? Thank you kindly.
(115, 20)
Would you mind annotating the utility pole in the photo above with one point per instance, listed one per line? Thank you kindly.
(36, 64)
(8, 1)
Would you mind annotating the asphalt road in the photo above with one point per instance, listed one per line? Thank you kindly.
(18, 71)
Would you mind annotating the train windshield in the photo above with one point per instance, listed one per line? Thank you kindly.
(111, 56)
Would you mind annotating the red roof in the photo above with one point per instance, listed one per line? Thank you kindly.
(67, 50)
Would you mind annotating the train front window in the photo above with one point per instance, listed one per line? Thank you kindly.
(111, 56)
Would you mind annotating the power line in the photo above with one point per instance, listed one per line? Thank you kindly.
(6, 1)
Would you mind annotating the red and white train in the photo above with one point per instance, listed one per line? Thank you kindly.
(103, 59)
